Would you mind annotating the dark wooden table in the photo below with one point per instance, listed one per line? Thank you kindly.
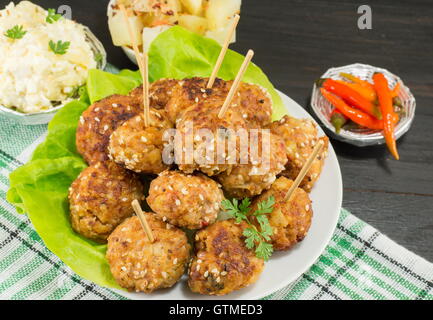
(295, 42)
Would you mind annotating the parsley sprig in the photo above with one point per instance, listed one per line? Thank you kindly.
(53, 16)
(59, 47)
(17, 32)
(253, 236)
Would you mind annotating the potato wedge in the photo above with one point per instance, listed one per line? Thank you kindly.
(221, 34)
(157, 6)
(119, 29)
(219, 12)
(193, 23)
(149, 34)
(194, 7)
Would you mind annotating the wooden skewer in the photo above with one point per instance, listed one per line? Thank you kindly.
(236, 83)
(142, 65)
(223, 52)
(131, 36)
(145, 76)
(137, 208)
(304, 170)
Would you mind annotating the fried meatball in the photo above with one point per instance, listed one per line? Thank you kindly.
(223, 263)
(141, 266)
(250, 179)
(138, 148)
(290, 221)
(255, 105)
(190, 92)
(189, 201)
(100, 198)
(99, 121)
(210, 137)
(252, 101)
(300, 137)
(160, 92)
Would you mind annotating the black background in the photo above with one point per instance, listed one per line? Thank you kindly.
(295, 42)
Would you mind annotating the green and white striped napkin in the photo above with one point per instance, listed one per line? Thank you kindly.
(359, 262)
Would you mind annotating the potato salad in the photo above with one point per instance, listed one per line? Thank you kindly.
(45, 58)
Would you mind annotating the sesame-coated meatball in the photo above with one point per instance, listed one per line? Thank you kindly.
(189, 201)
(160, 92)
(290, 221)
(223, 263)
(250, 179)
(252, 101)
(300, 137)
(211, 137)
(99, 121)
(255, 105)
(100, 198)
(192, 91)
(141, 266)
(138, 148)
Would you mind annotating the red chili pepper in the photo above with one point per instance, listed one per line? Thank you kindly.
(386, 105)
(396, 90)
(352, 97)
(357, 80)
(367, 92)
(353, 114)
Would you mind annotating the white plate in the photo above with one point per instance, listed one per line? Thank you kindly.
(284, 267)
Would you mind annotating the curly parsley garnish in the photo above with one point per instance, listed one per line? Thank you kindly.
(59, 47)
(253, 237)
(53, 16)
(17, 32)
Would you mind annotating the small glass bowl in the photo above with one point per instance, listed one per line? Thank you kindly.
(363, 136)
(46, 116)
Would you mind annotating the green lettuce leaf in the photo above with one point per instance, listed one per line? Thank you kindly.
(40, 187)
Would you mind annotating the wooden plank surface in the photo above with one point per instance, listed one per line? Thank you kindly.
(295, 42)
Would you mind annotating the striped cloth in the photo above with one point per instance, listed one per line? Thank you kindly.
(359, 262)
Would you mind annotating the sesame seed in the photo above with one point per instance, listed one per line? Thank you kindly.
(97, 119)
(124, 199)
(164, 274)
(96, 109)
(198, 268)
(206, 274)
(114, 105)
(184, 191)
(123, 269)
(177, 202)
(175, 261)
(224, 273)
(307, 207)
(218, 280)
(164, 219)
(199, 261)
(201, 197)
(215, 270)
(144, 139)
(196, 99)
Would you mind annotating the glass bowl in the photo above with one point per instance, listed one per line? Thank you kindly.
(363, 136)
(45, 116)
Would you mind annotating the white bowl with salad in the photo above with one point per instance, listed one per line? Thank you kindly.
(45, 61)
